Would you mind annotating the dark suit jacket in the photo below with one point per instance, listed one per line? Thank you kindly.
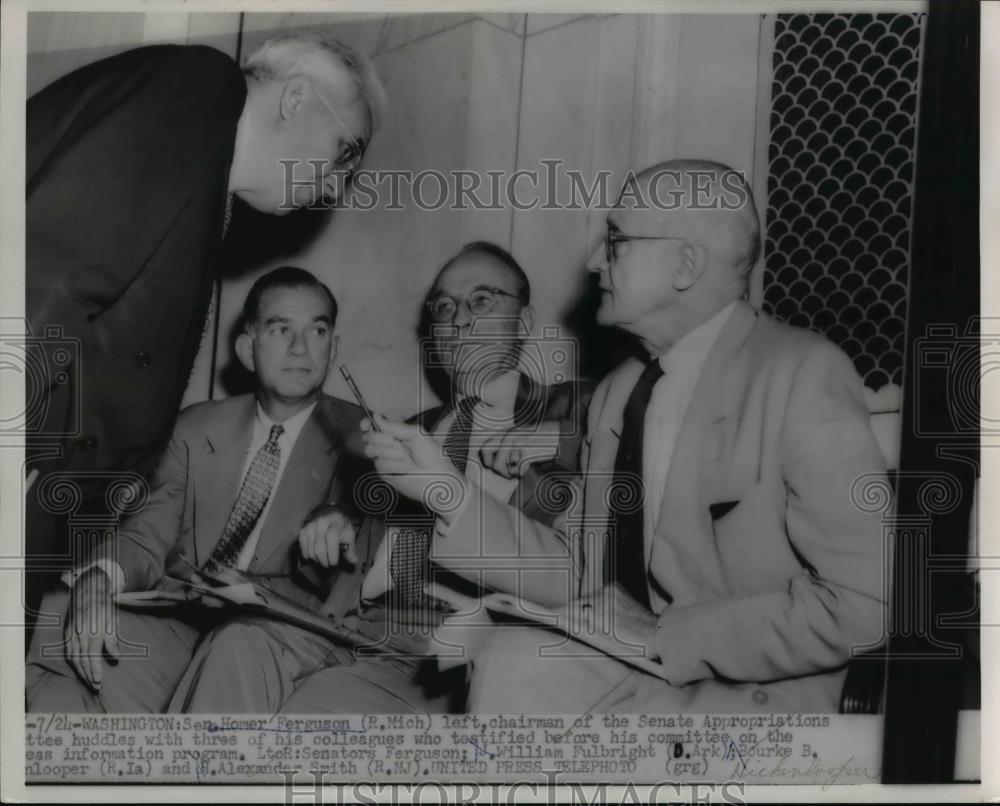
(566, 403)
(197, 479)
(127, 172)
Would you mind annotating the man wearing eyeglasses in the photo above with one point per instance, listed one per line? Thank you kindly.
(722, 540)
(520, 440)
(132, 166)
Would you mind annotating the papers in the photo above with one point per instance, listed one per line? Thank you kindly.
(547, 618)
(247, 596)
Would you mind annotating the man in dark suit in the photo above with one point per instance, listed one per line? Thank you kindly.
(232, 489)
(132, 163)
(724, 534)
(518, 438)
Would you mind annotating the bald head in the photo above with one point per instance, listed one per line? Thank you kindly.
(311, 108)
(502, 261)
(681, 241)
(705, 200)
(328, 61)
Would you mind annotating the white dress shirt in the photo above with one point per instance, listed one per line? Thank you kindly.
(261, 431)
(494, 412)
(682, 365)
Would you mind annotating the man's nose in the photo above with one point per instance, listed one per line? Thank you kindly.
(597, 261)
(298, 344)
(462, 317)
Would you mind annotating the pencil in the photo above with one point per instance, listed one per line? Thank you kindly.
(357, 395)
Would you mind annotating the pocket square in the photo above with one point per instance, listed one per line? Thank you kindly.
(721, 508)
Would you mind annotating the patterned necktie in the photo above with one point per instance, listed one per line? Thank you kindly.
(253, 495)
(409, 563)
(625, 558)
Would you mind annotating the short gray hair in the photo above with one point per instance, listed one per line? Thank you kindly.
(316, 54)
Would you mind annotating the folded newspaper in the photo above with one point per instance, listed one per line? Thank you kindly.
(246, 596)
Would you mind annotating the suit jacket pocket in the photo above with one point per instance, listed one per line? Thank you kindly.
(721, 508)
(751, 539)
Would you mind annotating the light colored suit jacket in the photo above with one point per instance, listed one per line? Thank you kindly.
(196, 482)
(774, 571)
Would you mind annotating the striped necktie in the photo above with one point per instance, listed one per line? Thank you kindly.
(254, 492)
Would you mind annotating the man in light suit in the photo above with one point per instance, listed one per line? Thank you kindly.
(132, 164)
(741, 563)
(520, 439)
(236, 483)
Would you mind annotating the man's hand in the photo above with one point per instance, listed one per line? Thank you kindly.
(613, 613)
(328, 538)
(510, 452)
(89, 630)
(415, 464)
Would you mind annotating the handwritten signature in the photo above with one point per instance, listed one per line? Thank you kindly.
(733, 750)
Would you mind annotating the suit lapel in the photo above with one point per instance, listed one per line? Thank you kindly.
(306, 480)
(224, 453)
(530, 404)
(702, 452)
(428, 419)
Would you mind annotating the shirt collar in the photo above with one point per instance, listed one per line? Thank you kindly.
(293, 425)
(693, 349)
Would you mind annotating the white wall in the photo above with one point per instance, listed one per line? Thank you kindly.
(60, 42)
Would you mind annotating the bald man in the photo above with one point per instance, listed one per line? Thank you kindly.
(715, 534)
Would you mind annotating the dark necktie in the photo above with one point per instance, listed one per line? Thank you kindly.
(409, 563)
(625, 556)
(250, 501)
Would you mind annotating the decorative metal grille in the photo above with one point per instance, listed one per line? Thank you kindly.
(840, 181)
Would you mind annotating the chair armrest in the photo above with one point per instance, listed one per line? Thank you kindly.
(864, 685)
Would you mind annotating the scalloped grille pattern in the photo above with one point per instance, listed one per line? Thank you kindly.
(840, 181)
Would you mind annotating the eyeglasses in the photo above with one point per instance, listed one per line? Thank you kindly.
(612, 238)
(355, 148)
(479, 303)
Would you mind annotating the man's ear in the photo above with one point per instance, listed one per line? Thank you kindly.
(693, 260)
(334, 349)
(294, 96)
(528, 320)
(244, 351)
